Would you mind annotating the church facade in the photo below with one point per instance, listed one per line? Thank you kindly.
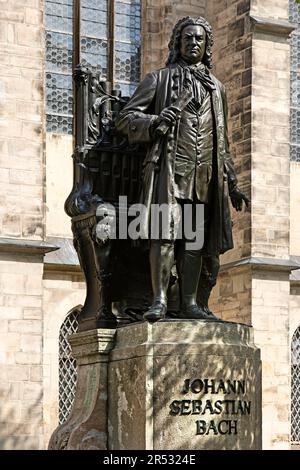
(256, 55)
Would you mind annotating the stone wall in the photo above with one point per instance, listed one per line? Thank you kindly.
(21, 217)
(254, 66)
(270, 8)
(270, 319)
(252, 60)
(231, 299)
(270, 154)
(294, 318)
(62, 292)
(232, 59)
(294, 209)
(59, 172)
(21, 119)
(21, 367)
(270, 215)
(232, 56)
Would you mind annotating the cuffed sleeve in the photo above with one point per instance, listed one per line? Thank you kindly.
(140, 128)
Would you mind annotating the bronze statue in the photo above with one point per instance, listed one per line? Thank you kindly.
(180, 113)
(167, 145)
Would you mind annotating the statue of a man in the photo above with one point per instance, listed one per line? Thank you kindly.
(188, 162)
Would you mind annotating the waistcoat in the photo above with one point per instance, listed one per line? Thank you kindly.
(193, 162)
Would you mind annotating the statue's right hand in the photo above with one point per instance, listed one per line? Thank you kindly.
(169, 115)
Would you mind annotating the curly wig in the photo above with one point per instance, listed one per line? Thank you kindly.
(174, 44)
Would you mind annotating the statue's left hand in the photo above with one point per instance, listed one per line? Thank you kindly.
(237, 197)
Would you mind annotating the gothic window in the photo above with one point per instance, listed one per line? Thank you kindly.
(295, 383)
(127, 45)
(59, 54)
(103, 35)
(294, 16)
(67, 365)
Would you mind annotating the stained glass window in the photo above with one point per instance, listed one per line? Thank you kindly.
(109, 43)
(94, 35)
(59, 53)
(294, 16)
(127, 45)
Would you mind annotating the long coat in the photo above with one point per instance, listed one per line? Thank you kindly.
(157, 91)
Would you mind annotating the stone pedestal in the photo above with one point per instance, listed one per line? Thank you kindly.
(184, 385)
(171, 385)
(86, 427)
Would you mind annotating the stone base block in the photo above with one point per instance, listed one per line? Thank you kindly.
(184, 385)
(86, 427)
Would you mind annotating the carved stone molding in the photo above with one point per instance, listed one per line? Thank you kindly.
(271, 264)
(271, 26)
(36, 247)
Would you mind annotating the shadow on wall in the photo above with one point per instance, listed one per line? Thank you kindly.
(21, 426)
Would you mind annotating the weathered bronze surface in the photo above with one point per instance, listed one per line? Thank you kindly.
(167, 145)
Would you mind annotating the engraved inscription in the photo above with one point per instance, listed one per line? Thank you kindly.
(228, 407)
